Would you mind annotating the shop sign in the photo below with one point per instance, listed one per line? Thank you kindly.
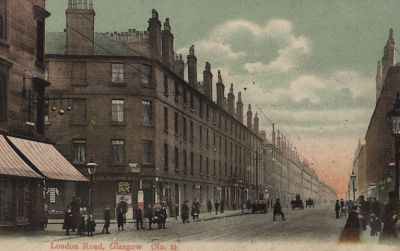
(114, 178)
(124, 187)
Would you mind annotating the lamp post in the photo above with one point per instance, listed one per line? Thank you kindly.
(393, 117)
(91, 166)
(353, 179)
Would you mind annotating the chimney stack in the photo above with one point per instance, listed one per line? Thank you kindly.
(239, 108)
(154, 30)
(207, 78)
(388, 56)
(249, 118)
(231, 101)
(192, 67)
(167, 45)
(256, 124)
(220, 91)
(179, 66)
(263, 135)
(273, 134)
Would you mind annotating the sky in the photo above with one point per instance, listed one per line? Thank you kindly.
(307, 66)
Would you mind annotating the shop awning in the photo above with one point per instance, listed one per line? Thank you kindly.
(12, 164)
(47, 160)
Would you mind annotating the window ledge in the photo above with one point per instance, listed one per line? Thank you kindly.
(118, 164)
(114, 123)
(147, 85)
(83, 123)
(147, 164)
(116, 84)
(148, 125)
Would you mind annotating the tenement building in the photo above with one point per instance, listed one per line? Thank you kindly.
(154, 136)
(379, 142)
(285, 175)
(28, 162)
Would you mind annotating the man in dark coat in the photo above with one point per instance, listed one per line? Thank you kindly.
(337, 209)
(390, 216)
(163, 216)
(185, 212)
(122, 208)
(222, 207)
(107, 218)
(278, 210)
(216, 205)
(195, 209)
(139, 218)
(209, 206)
(76, 213)
(67, 225)
(148, 213)
(376, 208)
(364, 212)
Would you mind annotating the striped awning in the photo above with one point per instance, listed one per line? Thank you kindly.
(12, 164)
(47, 160)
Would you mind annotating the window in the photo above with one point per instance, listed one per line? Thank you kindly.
(117, 73)
(201, 165)
(146, 77)
(1, 27)
(184, 162)
(147, 155)
(79, 151)
(191, 163)
(226, 170)
(78, 73)
(200, 108)
(45, 112)
(220, 169)
(214, 171)
(147, 113)
(201, 134)
(207, 167)
(40, 42)
(207, 112)
(191, 101)
(191, 130)
(166, 119)
(78, 114)
(176, 91)
(165, 157)
(176, 118)
(117, 110)
(207, 141)
(118, 151)
(166, 84)
(3, 97)
(184, 128)
(184, 95)
(176, 160)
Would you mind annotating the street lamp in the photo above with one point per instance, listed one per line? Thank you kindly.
(393, 117)
(353, 179)
(91, 166)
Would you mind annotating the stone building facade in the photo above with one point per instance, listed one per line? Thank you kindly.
(154, 136)
(24, 168)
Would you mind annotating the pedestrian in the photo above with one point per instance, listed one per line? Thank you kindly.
(164, 216)
(375, 224)
(157, 216)
(82, 224)
(337, 209)
(148, 213)
(222, 206)
(209, 206)
(376, 208)
(139, 218)
(90, 225)
(352, 229)
(363, 212)
(107, 218)
(341, 203)
(67, 225)
(390, 216)
(185, 212)
(278, 210)
(75, 205)
(122, 208)
(248, 204)
(216, 205)
(176, 211)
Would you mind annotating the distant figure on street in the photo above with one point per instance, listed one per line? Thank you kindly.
(278, 210)
(248, 205)
(122, 208)
(376, 208)
(185, 212)
(341, 203)
(352, 229)
(139, 218)
(107, 218)
(209, 206)
(337, 209)
(222, 206)
(176, 211)
(148, 213)
(90, 225)
(195, 209)
(390, 217)
(216, 205)
(164, 216)
(375, 224)
(363, 212)
(76, 213)
(68, 224)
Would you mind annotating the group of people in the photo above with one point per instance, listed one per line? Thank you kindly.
(369, 212)
(77, 219)
(217, 206)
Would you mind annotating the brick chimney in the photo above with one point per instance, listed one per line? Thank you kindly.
(249, 118)
(256, 124)
(220, 91)
(154, 31)
(388, 55)
(263, 135)
(273, 134)
(231, 101)
(167, 45)
(192, 67)
(239, 108)
(207, 78)
(179, 66)
(80, 28)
